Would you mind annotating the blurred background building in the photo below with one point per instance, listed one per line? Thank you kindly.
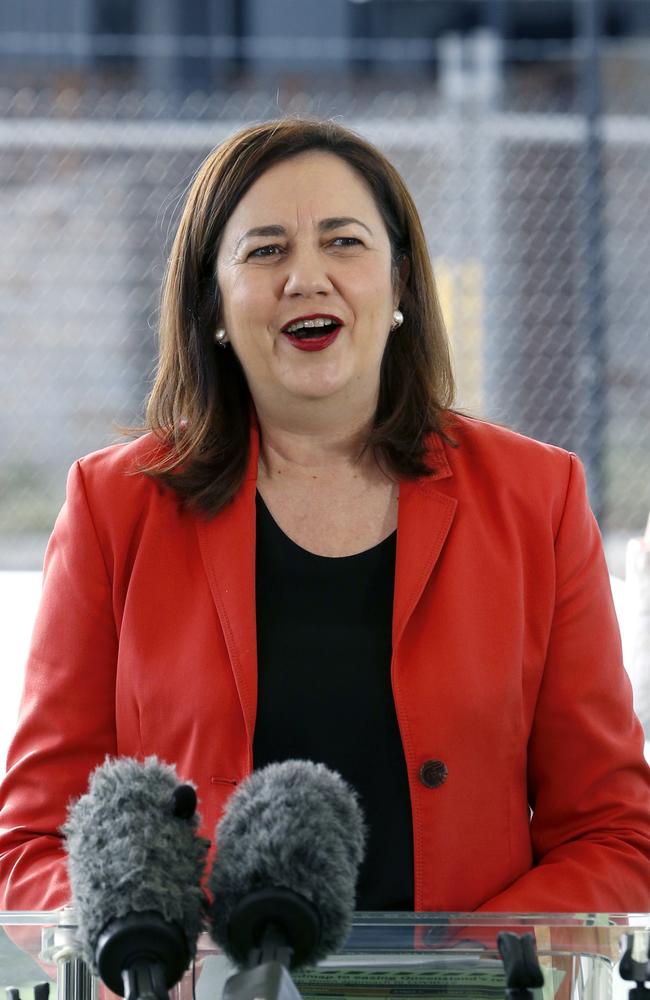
(522, 128)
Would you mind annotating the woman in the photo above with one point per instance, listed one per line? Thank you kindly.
(313, 556)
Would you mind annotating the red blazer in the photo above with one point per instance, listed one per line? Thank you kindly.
(506, 667)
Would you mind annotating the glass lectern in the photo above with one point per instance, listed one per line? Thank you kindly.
(397, 955)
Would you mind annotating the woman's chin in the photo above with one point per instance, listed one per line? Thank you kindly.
(329, 381)
(313, 393)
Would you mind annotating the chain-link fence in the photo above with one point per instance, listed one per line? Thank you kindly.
(537, 218)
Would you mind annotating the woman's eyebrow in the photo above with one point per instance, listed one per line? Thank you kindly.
(325, 226)
(273, 230)
(341, 220)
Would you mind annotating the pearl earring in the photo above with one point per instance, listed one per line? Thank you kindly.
(398, 319)
(221, 338)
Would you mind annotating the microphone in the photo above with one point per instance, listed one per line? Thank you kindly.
(289, 848)
(135, 863)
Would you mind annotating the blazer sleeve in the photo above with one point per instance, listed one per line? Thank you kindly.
(589, 786)
(67, 716)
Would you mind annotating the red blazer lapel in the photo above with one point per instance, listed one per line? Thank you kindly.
(227, 544)
(424, 517)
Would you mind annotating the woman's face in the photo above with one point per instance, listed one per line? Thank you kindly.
(307, 243)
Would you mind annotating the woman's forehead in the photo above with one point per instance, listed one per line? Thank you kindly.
(313, 186)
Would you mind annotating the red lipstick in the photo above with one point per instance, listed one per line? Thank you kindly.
(314, 343)
(317, 338)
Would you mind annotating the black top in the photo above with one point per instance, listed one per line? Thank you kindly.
(324, 652)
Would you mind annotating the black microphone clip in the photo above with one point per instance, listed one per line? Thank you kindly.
(141, 956)
(635, 962)
(274, 923)
(41, 992)
(523, 971)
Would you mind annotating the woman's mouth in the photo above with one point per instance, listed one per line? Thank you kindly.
(312, 333)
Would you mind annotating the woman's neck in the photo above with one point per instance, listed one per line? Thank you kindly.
(284, 452)
(324, 490)
(307, 451)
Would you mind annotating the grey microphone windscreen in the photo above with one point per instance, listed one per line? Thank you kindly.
(133, 848)
(297, 826)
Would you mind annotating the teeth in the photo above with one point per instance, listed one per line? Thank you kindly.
(309, 324)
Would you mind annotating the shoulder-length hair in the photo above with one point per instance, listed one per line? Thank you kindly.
(200, 404)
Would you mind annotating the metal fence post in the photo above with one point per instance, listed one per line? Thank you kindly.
(593, 365)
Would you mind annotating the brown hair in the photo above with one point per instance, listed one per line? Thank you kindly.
(200, 403)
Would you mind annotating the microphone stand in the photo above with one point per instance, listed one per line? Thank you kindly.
(267, 976)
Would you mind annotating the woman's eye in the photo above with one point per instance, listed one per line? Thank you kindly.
(267, 251)
(273, 249)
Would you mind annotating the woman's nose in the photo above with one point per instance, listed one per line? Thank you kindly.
(307, 274)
